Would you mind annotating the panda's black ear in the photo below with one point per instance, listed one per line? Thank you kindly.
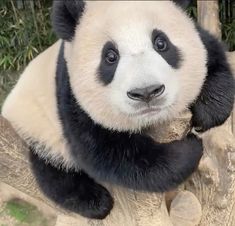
(65, 17)
(183, 3)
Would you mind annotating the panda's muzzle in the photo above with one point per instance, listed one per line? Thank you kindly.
(146, 94)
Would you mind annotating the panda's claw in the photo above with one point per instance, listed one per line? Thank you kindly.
(96, 204)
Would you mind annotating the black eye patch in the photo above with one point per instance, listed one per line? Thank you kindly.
(109, 62)
(166, 48)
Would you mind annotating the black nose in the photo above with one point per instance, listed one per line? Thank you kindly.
(146, 94)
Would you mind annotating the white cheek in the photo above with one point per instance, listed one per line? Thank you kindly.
(171, 83)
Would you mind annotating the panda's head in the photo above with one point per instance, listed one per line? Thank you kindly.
(131, 63)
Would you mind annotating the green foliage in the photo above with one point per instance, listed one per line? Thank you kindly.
(192, 10)
(227, 17)
(7, 81)
(24, 32)
(228, 30)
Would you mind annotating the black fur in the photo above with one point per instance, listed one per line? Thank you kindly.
(65, 17)
(215, 102)
(131, 160)
(106, 72)
(73, 191)
(171, 54)
(183, 3)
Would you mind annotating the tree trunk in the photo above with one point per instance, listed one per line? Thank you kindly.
(208, 16)
(214, 183)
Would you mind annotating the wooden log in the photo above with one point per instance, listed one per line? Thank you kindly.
(15, 171)
(214, 182)
(208, 16)
(131, 208)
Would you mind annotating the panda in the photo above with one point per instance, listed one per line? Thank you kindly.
(119, 67)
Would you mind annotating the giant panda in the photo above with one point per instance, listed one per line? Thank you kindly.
(84, 104)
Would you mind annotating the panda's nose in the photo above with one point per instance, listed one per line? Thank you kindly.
(146, 94)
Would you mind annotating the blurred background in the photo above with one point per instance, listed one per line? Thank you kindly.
(26, 31)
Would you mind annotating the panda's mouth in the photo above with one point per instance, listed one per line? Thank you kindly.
(147, 111)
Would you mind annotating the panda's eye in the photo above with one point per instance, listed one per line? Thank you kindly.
(160, 44)
(111, 57)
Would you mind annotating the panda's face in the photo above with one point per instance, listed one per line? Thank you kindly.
(133, 64)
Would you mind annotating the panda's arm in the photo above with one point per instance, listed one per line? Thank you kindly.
(215, 102)
(137, 161)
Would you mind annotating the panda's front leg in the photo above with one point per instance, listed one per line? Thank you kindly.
(73, 191)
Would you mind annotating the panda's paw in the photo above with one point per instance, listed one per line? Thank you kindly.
(95, 202)
(73, 191)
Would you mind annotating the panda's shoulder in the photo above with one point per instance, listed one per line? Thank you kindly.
(48, 55)
(211, 43)
(215, 48)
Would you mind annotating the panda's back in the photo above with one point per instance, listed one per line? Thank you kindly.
(31, 107)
